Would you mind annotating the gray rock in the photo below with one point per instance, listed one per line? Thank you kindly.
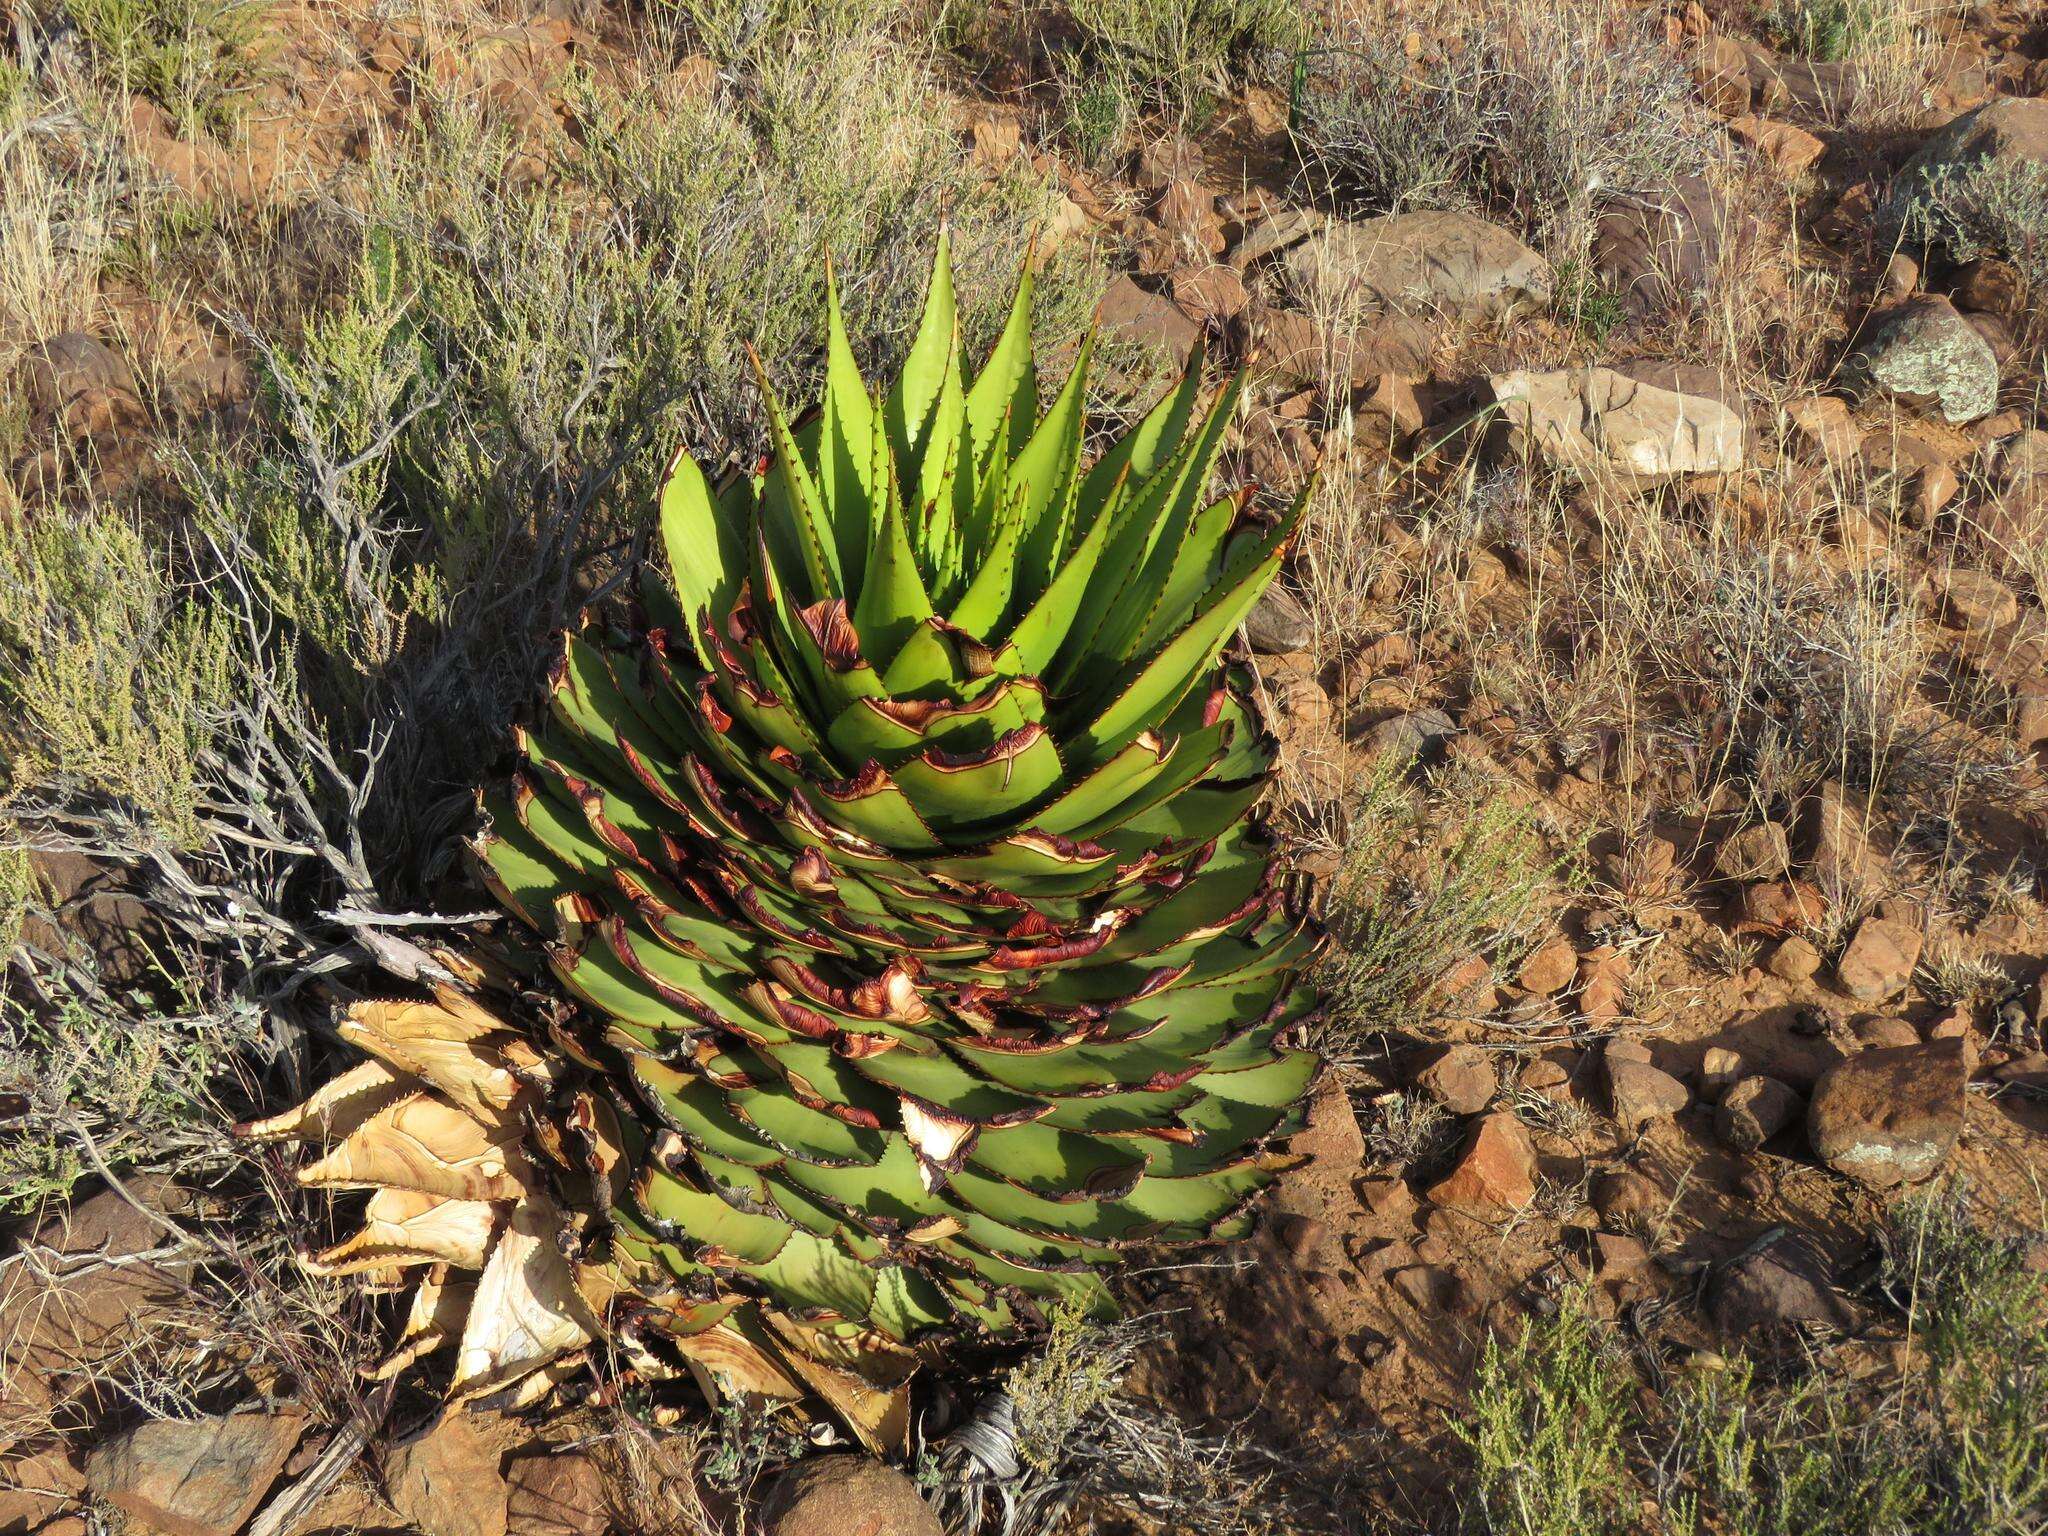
(1278, 623)
(1451, 264)
(1755, 1110)
(1924, 353)
(1407, 737)
(200, 1477)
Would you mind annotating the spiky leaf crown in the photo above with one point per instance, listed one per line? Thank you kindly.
(909, 864)
(928, 957)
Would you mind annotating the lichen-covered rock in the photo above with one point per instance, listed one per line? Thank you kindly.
(1925, 354)
(1890, 1116)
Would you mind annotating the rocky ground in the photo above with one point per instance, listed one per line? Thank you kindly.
(1663, 686)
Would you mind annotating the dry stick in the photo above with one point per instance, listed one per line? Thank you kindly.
(290, 1506)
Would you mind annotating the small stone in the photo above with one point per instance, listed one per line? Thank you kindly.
(1176, 158)
(1150, 319)
(1754, 1111)
(1407, 738)
(1787, 148)
(1639, 1093)
(1720, 1070)
(1795, 960)
(1890, 1116)
(1780, 906)
(1461, 1078)
(1761, 852)
(1879, 960)
(1624, 1197)
(63, 367)
(1278, 622)
(1425, 1287)
(193, 1477)
(446, 1482)
(846, 1496)
(1299, 1235)
(1495, 1171)
(1782, 1288)
(1614, 1254)
(1550, 968)
(1884, 1033)
(1977, 600)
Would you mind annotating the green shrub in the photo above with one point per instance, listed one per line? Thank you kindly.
(1177, 55)
(1548, 1422)
(1990, 207)
(194, 58)
(109, 678)
(1541, 122)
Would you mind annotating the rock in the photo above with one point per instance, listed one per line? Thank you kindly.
(1976, 600)
(1924, 353)
(1903, 469)
(1187, 211)
(555, 1493)
(1787, 148)
(56, 1325)
(1783, 1287)
(1450, 264)
(995, 141)
(1215, 293)
(1278, 622)
(60, 368)
(1844, 856)
(1460, 1077)
(1779, 906)
(1407, 738)
(1721, 71)
(1885, 1117)
(1614, 1255)
(197, 1477)
(36, 1485)
(1720, 1070)
(1130, 313)
(1550, 968)
(1395, 397)
(446, 1482)
(1275, 232)
(1755, 1110)
(1795, 960)
(1825, 422)
(1760, 852)
(1350, 355)
(1639, 1093)
(1625, 1198)
(1495, 1171)
(1886, 1032)
(1600, 422)
(1174, 158)
(846, 1496)
(1660, 250)
(2018, 514)
(1879, 960)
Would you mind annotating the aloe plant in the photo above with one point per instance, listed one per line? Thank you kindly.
(920, 953)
